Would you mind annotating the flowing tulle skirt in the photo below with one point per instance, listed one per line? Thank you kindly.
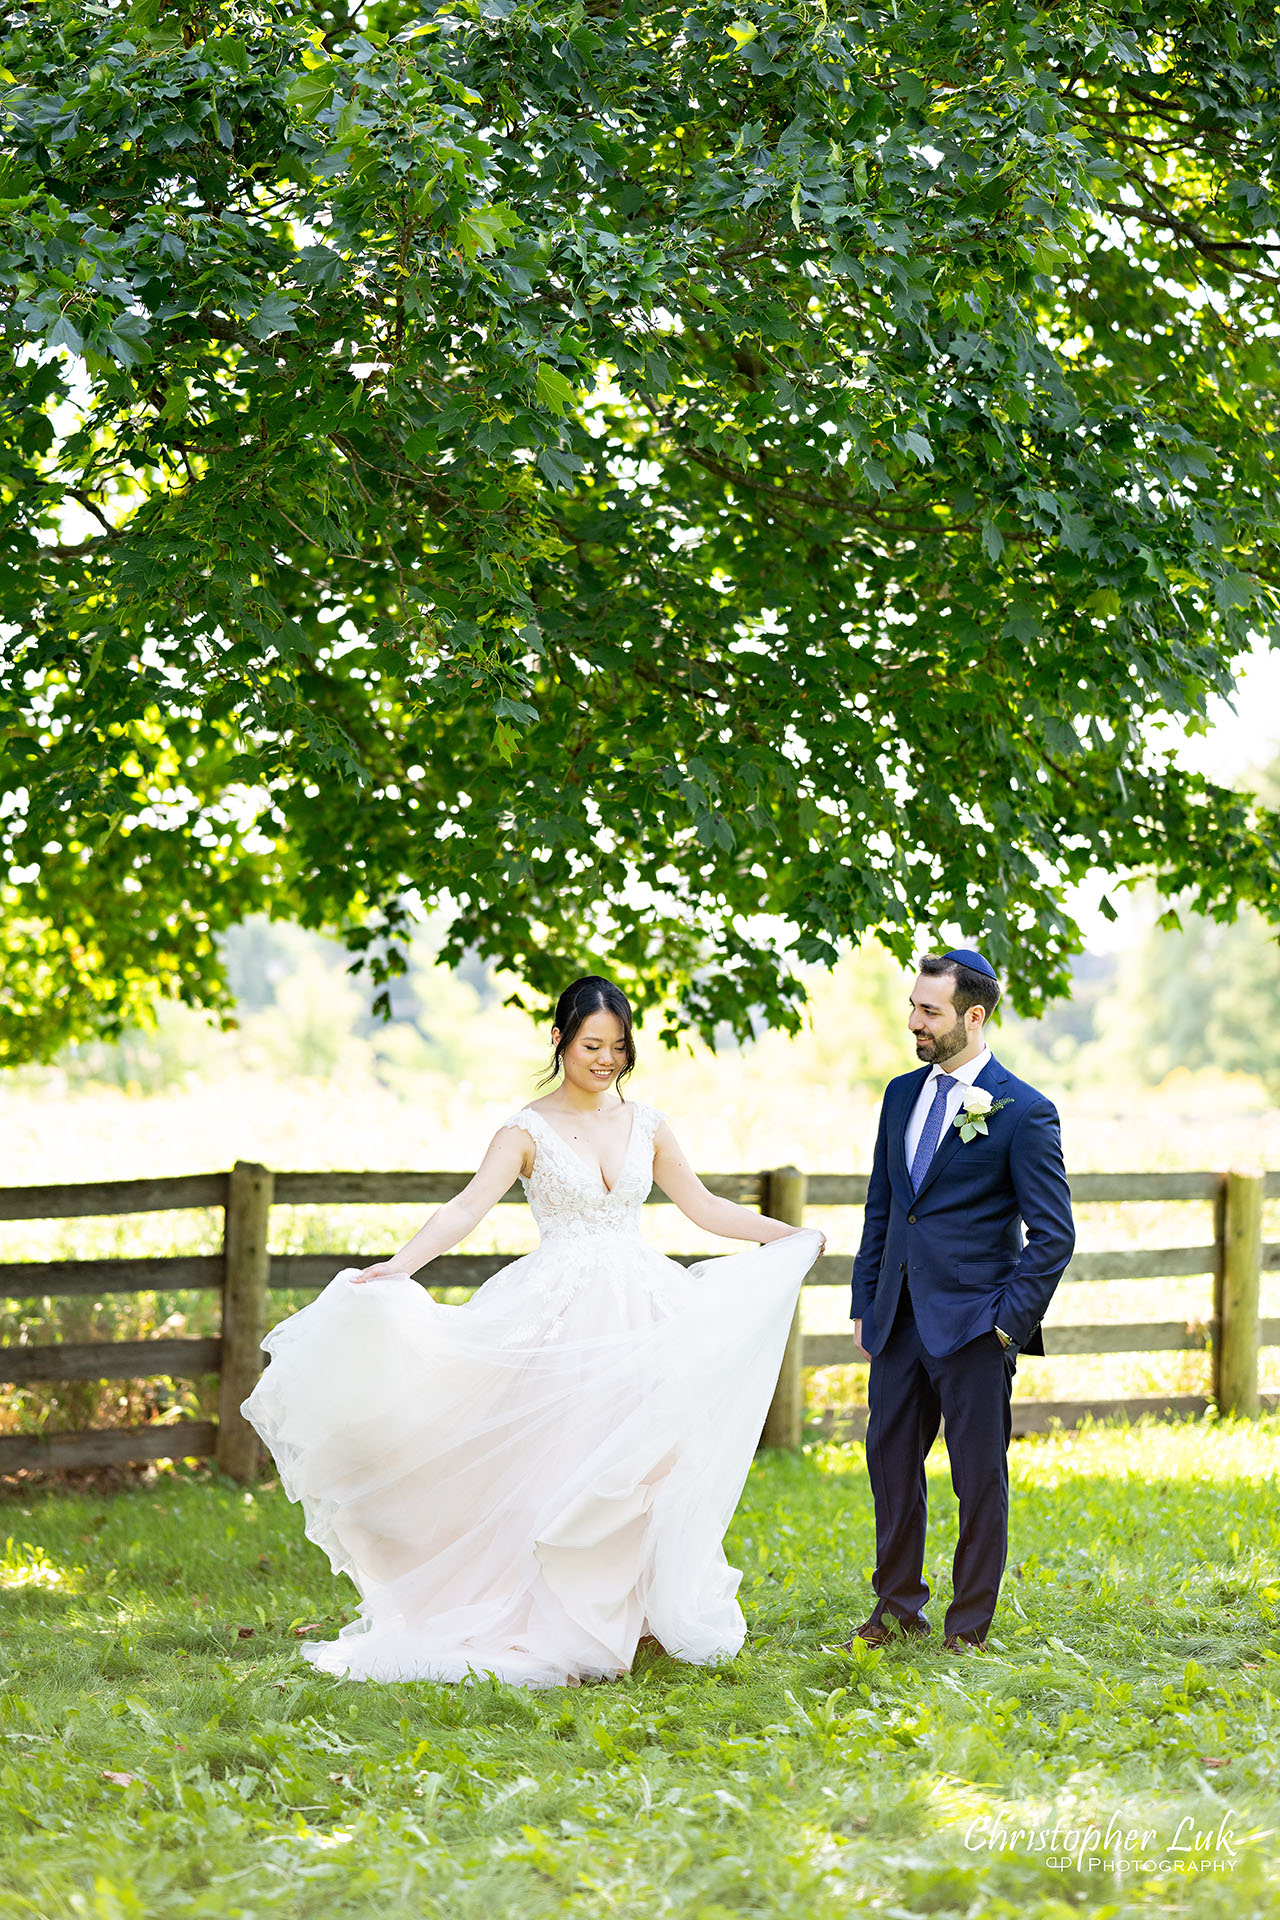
(525, 1485)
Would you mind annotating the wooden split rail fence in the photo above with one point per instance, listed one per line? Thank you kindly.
(246, 1271)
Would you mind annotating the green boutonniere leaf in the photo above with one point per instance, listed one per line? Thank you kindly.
(972, 1124)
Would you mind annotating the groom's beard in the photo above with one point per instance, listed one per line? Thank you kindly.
(947, 1045)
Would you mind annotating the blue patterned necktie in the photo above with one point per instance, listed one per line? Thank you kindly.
(932, 1129)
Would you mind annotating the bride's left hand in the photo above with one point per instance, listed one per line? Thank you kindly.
(822, 1238)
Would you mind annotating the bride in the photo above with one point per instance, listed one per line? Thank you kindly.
(529, 1484)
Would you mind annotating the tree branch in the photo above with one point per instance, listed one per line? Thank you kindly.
(1204, 243)
(90, 506)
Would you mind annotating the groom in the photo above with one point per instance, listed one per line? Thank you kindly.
(946, 1293)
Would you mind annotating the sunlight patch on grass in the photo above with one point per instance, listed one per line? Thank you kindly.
(23, 1565)
(1242, 1451)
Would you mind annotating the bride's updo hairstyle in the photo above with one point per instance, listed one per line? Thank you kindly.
(590, 995)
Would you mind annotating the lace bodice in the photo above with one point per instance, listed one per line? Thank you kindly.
(567, 1195)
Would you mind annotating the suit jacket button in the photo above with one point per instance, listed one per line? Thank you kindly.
(911, 1219)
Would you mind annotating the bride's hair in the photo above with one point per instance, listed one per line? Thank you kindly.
(589, 995)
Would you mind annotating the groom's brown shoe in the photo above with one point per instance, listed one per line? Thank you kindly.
(915, 1628)
(874, 1633)
(962, 1643)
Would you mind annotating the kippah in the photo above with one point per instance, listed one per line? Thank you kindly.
(970, 957)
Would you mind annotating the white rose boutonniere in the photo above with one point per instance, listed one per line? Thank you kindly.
(976, 1107)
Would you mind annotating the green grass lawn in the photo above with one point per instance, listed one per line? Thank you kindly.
(167, 1752)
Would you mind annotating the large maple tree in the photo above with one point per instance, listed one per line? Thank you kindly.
(668, 486)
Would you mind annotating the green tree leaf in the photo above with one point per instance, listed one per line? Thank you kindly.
(486, 229)
(311, 93)
(554, 392)
(275, 315)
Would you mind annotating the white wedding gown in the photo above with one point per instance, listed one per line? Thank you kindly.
(526, 1484)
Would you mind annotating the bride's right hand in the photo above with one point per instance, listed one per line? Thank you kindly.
(383, 1271)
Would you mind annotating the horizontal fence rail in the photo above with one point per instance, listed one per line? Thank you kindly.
(109, 1447)
(110, 1360)
(245, 1272)
(98, 1198)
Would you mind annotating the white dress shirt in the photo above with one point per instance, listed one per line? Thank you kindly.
(964, 1077)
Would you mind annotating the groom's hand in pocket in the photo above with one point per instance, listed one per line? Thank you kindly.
(857, 1339)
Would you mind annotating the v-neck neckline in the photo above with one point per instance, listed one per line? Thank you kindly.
(581, 1158)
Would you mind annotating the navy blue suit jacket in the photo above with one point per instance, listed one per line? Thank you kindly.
(960, 1237)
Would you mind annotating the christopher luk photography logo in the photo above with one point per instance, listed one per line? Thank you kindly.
(1119, 1844)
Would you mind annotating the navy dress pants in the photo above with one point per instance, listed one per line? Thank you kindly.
(910, 1392)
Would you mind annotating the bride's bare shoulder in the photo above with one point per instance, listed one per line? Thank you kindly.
(518, 1130)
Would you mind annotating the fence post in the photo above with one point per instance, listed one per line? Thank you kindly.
(1237, 1288)
(250, 1191)
(785, 1193)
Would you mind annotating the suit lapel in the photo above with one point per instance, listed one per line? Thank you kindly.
(899, 1171)
(991, 1077)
